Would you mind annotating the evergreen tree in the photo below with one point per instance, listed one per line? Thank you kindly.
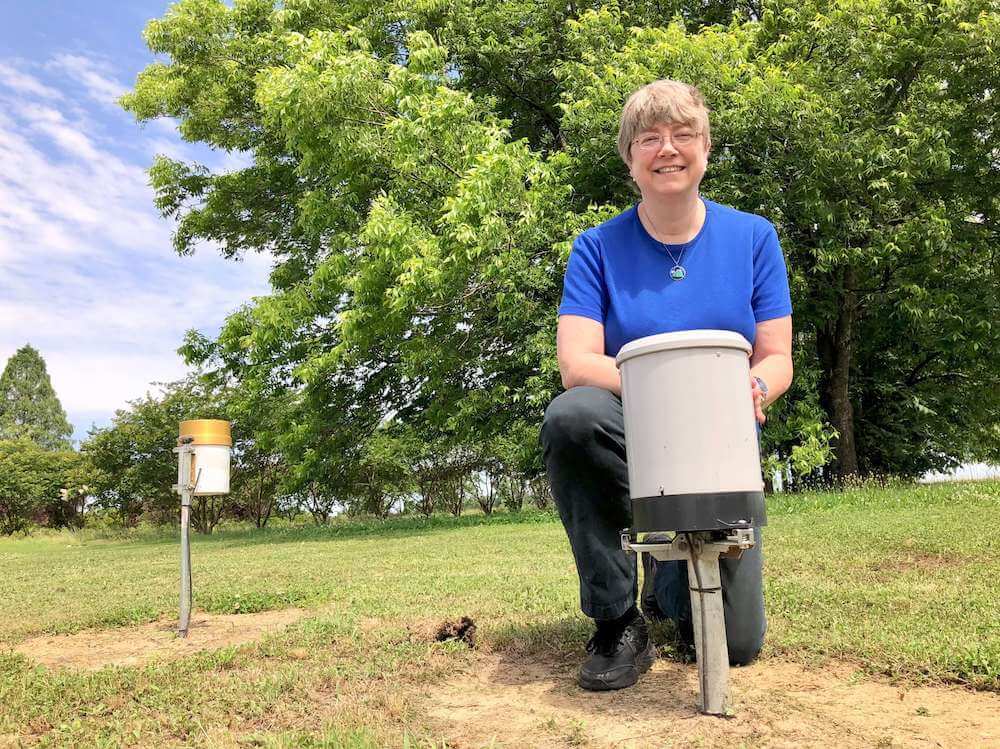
(29, 408)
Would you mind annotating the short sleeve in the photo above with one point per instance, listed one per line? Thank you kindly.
(771, 298)
(584, 290)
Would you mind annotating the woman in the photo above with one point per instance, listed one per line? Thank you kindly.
(673, 262)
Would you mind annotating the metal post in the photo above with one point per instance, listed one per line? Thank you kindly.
(186, 489)
(709, 622)
(701, 553)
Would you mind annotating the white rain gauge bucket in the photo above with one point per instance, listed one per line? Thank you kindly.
(694, 470)
(203, 449)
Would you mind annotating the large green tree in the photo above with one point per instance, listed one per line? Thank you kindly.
(860, 129)
(29, 407)
(419, 169)
(892, 217)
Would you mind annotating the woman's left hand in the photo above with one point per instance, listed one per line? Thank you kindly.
(758, 400)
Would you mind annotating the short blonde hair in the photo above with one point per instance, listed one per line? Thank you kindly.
(666, 102)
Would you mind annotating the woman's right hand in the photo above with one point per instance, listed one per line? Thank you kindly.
(758, 400)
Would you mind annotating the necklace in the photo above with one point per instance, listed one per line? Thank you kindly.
(677, 272)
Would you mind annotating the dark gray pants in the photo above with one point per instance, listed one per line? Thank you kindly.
(583, 442)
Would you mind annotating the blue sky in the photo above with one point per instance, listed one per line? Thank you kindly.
(88, 274)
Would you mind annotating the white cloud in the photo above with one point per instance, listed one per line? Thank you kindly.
(76, 204)
(91, 383)
(166, 125)
(73, 142)
(96, 76)
(234, 161)
(15, 80)
(90, 278)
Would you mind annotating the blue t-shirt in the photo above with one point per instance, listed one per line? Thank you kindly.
(619, 276)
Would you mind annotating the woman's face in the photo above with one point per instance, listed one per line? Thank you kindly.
(666, 168)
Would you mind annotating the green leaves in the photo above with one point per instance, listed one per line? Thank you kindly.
(419, 170)
(38, 485)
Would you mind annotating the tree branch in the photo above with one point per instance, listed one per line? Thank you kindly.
(913, 377)
(551, 123)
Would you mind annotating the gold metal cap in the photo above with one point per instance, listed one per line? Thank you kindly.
(207, 432)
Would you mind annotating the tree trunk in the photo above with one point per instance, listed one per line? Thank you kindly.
(456, 498)
(487, 498)
(427, 486)
(264, 503)
(540, 491)
(517, 490)
(206, 512)
(836, 351)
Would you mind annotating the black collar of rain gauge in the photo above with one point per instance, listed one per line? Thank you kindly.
(708, 511)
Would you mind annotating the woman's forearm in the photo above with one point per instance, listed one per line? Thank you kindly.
(776, 371)
(598, 370)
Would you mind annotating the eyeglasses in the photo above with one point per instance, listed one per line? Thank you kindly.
(651, 142)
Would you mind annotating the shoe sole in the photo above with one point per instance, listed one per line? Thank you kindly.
(643, 662)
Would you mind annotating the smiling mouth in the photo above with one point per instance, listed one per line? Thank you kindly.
(668, 169)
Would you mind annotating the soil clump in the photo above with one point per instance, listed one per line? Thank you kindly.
(464, 630)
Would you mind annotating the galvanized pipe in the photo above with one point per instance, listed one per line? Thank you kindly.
(186, 490)
(701, 553)
(708, 618)
(185, 617)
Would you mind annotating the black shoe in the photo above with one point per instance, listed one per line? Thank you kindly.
(617, 660)
(647, 598)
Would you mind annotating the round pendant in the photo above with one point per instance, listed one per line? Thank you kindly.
(678, 273)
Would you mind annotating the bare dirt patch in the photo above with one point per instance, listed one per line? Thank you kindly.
(130, 646)
(507, 703)
(908, 559)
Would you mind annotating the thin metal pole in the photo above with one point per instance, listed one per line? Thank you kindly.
(185, 618)
(709, 622)
(185, 492)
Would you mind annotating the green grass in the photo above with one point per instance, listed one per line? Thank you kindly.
(900, 580)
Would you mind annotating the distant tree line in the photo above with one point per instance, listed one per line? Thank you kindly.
(125, 472)
(132, 467)
(42, 479)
